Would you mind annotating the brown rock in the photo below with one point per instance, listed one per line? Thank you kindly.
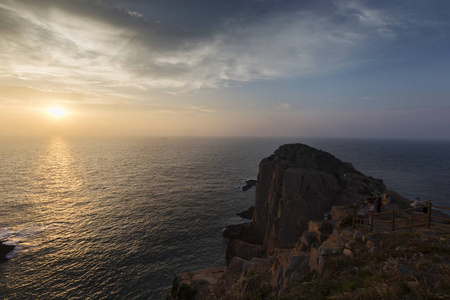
(236, 264)
(244, 250)
(4, 250)
(317, 261)
(341, 212)
(198, 285)
(298, 184)
(370, 244)
(348, 252)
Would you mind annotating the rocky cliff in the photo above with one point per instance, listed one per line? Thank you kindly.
(282, 246)
(296, 184)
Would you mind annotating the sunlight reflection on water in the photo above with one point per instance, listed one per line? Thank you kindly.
(117, 218)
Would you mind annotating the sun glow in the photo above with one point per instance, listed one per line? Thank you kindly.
(57, 112)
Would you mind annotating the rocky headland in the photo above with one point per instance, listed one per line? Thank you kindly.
(284, 253)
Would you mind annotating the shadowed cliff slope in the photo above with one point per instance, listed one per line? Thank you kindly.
(283, 246)
(296, 184)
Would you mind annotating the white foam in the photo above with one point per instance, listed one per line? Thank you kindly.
(19, 236)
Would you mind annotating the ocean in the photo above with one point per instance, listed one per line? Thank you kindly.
(117, 218)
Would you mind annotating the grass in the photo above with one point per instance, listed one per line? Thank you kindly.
(375, 276)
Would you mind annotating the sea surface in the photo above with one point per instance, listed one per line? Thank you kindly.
(116, 218)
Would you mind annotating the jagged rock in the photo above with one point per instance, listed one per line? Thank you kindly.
(348, 252)
(288, 269)
(341, 212)
(234, 231)
(4, 250)
(309, 238)
(297, 184)
(321, 225)
(317, 262)
(247, 266)
(247, 214)
(236, 264)
(249, 184)
(244, 250)
(370, 244)
(346, 234)
(295, 269)
(196, 286)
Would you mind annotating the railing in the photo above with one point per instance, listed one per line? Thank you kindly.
(393, 220)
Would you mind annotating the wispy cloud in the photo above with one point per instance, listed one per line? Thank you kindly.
(203, 109)
(107, 50)
(284, 106)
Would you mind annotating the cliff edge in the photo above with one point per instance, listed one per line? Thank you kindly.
(295, 185)
(282, 245)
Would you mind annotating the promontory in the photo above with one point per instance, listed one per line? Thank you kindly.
(289, 251)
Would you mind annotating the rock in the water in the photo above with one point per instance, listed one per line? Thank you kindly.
(4, 250)
(247, 214)
(234, 231)
(249, 184)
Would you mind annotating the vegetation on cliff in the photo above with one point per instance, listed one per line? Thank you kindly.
(284, 254)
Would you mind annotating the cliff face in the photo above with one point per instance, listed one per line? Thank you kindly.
(282, 246)
(299, 183)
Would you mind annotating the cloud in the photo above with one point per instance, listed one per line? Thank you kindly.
(112, 51)
(203, 109)
(284, 106)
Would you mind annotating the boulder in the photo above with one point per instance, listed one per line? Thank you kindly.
(236, 264)
(348, 252)
(4, 250)
(244, 250)
(341, 212)
(198, 285)
(289, 268)
(234, 231)
(247, 214)
(317, 262)
(249, 184)
(321, 225)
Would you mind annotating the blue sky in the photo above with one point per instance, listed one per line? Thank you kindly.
(372, 69)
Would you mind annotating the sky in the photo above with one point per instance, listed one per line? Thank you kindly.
(324, 68)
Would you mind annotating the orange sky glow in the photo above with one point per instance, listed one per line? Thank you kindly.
(281, 68)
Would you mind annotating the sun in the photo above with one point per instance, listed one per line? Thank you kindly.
(57, 112)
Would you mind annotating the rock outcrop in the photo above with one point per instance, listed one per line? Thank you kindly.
(296, 184)
(345, 264)
(4, 250)
(249, 184)
(282, 246)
